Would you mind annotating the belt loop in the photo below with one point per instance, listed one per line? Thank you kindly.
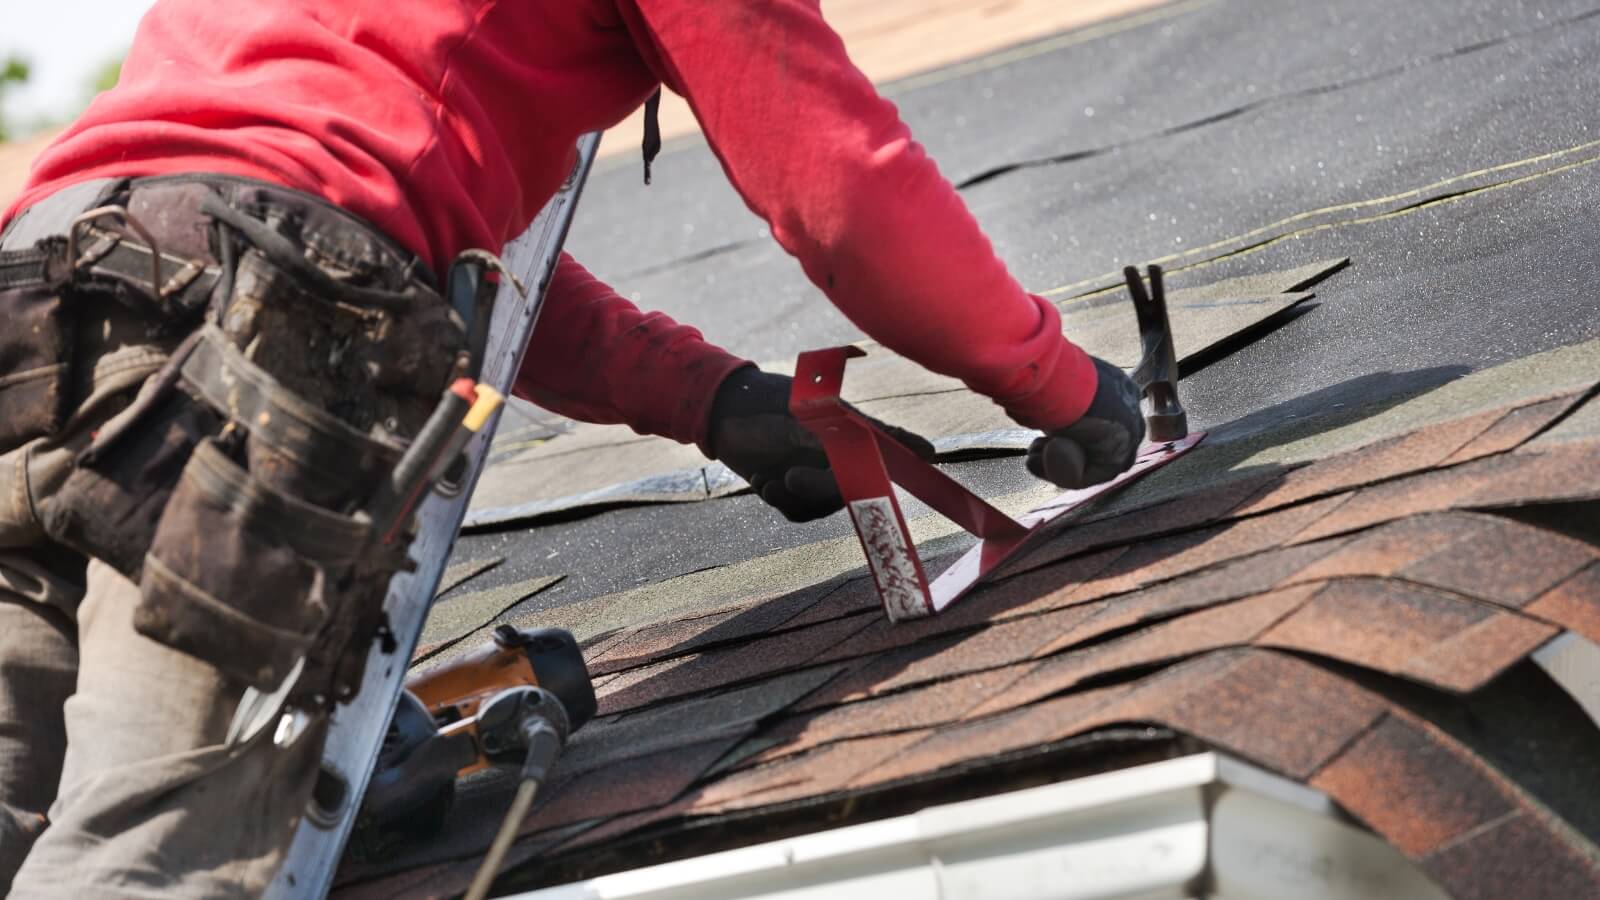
(89, 217)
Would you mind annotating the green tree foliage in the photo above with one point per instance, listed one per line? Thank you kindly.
(14, 70)
(106, 78)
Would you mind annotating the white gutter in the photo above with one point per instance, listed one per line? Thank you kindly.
(1204, 825)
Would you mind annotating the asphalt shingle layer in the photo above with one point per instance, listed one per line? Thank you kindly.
(1247, 645)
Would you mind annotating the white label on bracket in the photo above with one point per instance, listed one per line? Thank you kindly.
(889, 555)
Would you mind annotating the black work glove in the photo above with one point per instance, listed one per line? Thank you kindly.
(1101, 445)
(752, 433)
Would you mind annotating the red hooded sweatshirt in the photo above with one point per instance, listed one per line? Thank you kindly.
(450, 123)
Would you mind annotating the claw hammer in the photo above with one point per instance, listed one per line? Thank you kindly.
(1157, 374)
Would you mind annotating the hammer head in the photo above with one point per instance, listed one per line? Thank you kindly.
(1157, 373)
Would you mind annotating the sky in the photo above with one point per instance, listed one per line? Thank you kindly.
(66, 42)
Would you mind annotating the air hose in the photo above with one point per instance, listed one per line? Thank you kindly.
(532, 721)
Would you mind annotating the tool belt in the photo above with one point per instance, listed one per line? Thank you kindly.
(233, 487)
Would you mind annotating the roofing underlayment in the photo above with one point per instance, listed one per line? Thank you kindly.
(1378, 577)
(544, 466)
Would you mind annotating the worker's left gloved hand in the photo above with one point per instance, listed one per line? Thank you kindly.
(1099, 446)
(752, 433)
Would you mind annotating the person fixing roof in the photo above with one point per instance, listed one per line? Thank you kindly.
(222, 323)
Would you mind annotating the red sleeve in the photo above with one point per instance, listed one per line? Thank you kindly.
(813, 150)
(598, 358)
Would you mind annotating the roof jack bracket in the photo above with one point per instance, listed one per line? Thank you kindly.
(867, 463)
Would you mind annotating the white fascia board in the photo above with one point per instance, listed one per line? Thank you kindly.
(1263, 849)
(1164, 831)
(1573, 662)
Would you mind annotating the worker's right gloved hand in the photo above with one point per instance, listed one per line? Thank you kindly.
(752, 432)
(1101, 445)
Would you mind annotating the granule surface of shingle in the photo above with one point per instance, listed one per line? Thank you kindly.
(1514, 428)
(1573, 604)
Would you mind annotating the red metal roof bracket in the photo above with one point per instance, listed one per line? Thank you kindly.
(867, 462)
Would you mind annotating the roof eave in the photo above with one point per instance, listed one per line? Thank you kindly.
(1200, 825)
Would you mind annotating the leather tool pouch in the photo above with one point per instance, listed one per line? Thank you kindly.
(48, 289)
(36, 339)
(242, 575)
(109, 506)
(231, 489)
(201, 492)
(258, 560)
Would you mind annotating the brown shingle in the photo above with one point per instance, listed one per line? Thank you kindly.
(427, 881)
(802, 776)
(1227, 625)
(1389, 458)
(622, 825)
(997, 644)
(1004, 643)
(1515, 856)
(1389, 548)
(1480, 653)
(993, 736)
(596, 646)
(678, 637)
(1064, 628)
(1203, 507)
(1406, 630)
(652, 642)
(806, 775)
(1413, 785)
(627, 786)
(865, 678)
(750, 661)
(1234, 581)
(1504, 562)
(1573, 604)
(1569, 471)
(989, 692)
(1042, 589)
(853, 596)
(1433, 491)
(1242, 537)
(1152, 561)
(1025, 662)
(1469, 827)
(1480, 555)
(824, 771)
(1200, 507)
(1129, 571)
(1515, 427)
(1015, 639)
(1284, 713)
(920, 708)
(609, 740)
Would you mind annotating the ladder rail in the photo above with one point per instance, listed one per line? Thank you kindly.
(356, 732)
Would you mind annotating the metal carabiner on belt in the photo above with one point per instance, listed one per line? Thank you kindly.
(472, 295)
